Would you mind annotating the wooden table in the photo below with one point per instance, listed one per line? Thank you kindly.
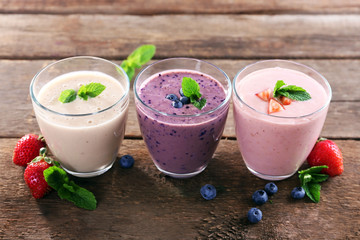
(141, 203)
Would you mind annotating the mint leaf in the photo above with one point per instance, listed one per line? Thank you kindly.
(317, 178)
(308, 193)
(278, 85)
(57, 179)
(314, 190)
(130, 71)
(315, 169)
(137, 58)
(91, 90)
(291, 91)
(310, 179)
(95, 89)
(67, 96)
(142, 54)
(199, 104)
(306, 179)
(191, 89)
(295, 95)
(82, 93)
(78, 195)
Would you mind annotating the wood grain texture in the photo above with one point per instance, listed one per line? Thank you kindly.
(141, 7)
(201, 36)
(343, 75)
(141, 203)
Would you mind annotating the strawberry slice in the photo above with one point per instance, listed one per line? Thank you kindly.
(274, 106)
(264, 95)
(285, 101)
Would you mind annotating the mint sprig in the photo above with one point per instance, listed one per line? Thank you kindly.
(57, 179)
(191, 89)
(85, 91)
(137, 58)
(310, 179)
(290, 91)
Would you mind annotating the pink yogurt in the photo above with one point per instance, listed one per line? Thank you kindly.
(274, 146)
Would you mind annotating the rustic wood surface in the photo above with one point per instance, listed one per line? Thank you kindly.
(201, 36)
(142, 7)
(142, 203)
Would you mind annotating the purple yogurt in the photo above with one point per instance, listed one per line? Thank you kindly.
(181, 141)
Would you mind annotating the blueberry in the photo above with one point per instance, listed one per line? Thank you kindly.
(260, 197)
(177, 104)
(298, 193)
(126, 161)
(172, 97)
(271, 188)
(185, 100)
(181, 92)
(208, 191)
(254, 215)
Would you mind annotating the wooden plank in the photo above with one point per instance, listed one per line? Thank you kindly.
(217, 36)
(343, 75)
(143, 7)
(141, 203)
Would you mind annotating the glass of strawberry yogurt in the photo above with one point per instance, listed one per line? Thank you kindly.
(279, 109)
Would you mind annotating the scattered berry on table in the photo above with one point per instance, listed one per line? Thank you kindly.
(34, 176)
(254, 215)
(27, 148)
(208, 191)
(177, 104)
(260, 197)
(126, 161)
(172, 97)
(271, 188)
(326, 152)
(185, 100)
(298, 193)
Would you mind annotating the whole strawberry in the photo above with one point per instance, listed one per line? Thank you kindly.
(326, 152)
(27, 148)
(34, 176)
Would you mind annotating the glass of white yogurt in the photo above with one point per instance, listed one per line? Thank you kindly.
(83, 135)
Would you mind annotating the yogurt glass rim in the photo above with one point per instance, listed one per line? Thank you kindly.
(226, 101)
(118, 68)
(326, 104)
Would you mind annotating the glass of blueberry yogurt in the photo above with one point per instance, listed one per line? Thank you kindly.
(182, 106)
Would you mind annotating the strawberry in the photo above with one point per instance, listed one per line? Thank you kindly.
(264, 95)
(34, 176)
(285, 101)
(274, 106)
(326, 152)
(27, 148)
